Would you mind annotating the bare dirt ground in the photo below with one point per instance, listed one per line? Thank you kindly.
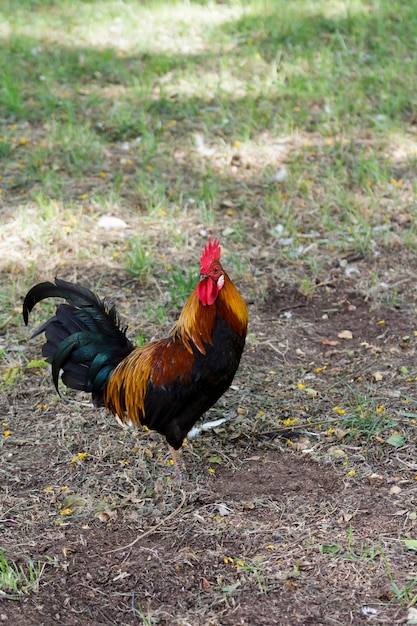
(289, 515)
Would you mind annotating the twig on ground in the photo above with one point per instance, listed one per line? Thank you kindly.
(152, 529)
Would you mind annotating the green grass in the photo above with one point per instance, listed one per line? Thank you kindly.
(138, 259)
(17, 580)
(325, 67)
(180, 285)
(187, 126)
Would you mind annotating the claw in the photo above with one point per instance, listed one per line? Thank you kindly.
(178, 464)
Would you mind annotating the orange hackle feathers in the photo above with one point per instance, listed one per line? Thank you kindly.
(195, 324)
(232, 307)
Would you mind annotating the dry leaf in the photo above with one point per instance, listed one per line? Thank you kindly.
(345, 334)
(328, 342)
(336, 453)
(290, 585)
(340, 432)
(377, 376)
(395, 490)
(74, 502)
(302, 444)
(106, 514)
(205, 584)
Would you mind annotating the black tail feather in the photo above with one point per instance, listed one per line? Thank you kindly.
(84, 337)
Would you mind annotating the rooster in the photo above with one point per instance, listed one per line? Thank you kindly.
(165, 385)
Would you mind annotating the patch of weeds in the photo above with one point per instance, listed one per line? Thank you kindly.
(351, 552)
(138, 259)
(5, 147)
(10, 93)
(16, 580)
(256, 569)
(147, 618)
(140, 339)
(180, 284)
(125, 121)
(12, 375)
(365, 418)
(405, 594)
(156, 313)
(307, 286)
(74, 146)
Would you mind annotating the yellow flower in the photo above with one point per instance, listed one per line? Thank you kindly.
(7, 433)
(351, 473)
(66, 511)
(300, 385)
(228, 559)
(290, 421)
(339, 410)
(79, 457)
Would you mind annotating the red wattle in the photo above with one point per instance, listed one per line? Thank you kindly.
(207, 291)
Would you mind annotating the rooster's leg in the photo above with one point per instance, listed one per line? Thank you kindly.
(178, 463)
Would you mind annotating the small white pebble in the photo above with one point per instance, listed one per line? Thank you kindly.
(281, 174)
(109, 221)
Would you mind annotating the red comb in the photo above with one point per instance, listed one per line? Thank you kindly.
(211, 252)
